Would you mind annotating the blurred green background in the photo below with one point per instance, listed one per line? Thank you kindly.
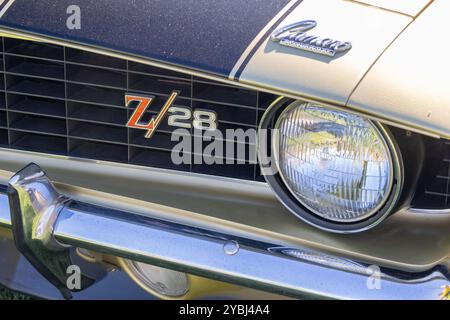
(6, 294)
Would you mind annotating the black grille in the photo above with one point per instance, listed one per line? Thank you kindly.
(70, 102)
(433, 189)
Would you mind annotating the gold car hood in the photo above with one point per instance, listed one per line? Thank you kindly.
(408, 7)
(410, 81)
(304, 74)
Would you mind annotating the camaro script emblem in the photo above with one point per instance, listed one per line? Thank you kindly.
(295, 36)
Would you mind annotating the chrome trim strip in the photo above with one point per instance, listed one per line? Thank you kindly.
(258, 38)
(6, 7)
(429, 211)
(291, 271)
(199, 252)
(10, 32)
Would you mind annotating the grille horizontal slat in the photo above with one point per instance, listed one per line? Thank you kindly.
(36, 106)
(155, 158)
(33, 123)
(35, 86)
(33, 49)
(33, 141)
(71, 102)
(95, 94)
(433, 188)
(34, 67)
(97, 113)
(89, 58)
(224, 94)
(96, 76)
(96, 150)
(159, 85)
(100, 132)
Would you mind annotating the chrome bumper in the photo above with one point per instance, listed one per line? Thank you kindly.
(248, 262)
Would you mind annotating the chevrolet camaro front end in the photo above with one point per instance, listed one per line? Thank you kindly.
(240, 149)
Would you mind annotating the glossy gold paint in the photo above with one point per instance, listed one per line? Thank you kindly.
(409, 7)
(332, 79)
(410, 80)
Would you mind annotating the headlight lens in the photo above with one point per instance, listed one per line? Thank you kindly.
(337, 165)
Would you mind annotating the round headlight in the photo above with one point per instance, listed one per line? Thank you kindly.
(338, 166)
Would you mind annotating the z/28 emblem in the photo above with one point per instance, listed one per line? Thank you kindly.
(182, 117)
(295, 36)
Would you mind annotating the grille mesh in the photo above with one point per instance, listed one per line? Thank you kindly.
(70, 102)
(433, 190)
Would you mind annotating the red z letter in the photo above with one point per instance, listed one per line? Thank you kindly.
(144, 103)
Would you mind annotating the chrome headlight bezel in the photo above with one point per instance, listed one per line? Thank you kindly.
(291, 202)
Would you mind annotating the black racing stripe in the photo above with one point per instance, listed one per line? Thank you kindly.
(205, 35)
(260, 42)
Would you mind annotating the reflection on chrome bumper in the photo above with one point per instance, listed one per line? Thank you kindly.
(247, 262)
